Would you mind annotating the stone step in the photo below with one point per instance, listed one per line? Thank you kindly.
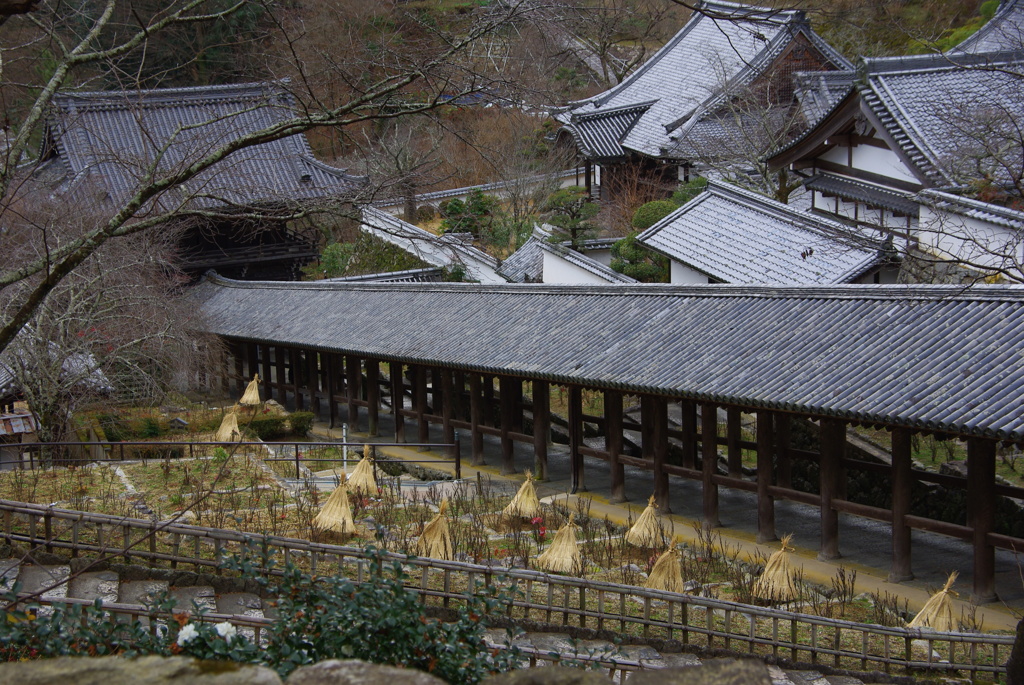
(195, 598)
(141, 591)
(93, 585)
(34, 578)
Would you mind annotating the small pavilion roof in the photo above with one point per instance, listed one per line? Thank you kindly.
(737, 236)
(110, 139)
(930, 358)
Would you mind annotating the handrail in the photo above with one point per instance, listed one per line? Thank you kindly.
(547, 598)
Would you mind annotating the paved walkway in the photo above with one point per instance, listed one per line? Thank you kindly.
(865, 544)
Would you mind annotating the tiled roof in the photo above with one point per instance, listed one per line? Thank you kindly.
(934, 107)
(974, 209)
(723, 43)
(525, 265)
(736, 236)
(863, 192)
(942, 358)
(606, 274)
(1004, 31)
(110, 139)
(427, 275)
(599, 134)
(819, 91)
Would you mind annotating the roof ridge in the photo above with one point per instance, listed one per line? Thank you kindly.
(611, 111)
(173, 96)
(895, 292)
(877, 66)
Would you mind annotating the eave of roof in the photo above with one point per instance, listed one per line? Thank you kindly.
(929, 358)
(862, 192)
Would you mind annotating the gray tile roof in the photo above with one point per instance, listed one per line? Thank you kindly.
(606, 274)
(426, 275)
(943, 358)
(1004, 31)
(974, 209)
(110, 139)
(819, 91)
(941, 113)
(723, 43)
(736, 236)
(863, 192)
(525, 265)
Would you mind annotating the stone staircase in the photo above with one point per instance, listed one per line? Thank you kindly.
(110, 586)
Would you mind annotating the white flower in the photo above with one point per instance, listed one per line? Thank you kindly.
(225, 630)
(187, 634)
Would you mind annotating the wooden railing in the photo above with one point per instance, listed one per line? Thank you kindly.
(620, 609)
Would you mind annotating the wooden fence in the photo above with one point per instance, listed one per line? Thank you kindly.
(555, 600)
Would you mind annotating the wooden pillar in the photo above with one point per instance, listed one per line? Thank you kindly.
(659, 420)
(508, 405)
(576, 437)
(981, 473)
(296, 359)
(331, 371)
(265, 354)
(833, 448)
(709, 463)
(313, 380)
(239, 351)
(436, 391)
(459, 408)
(281, 377)
(901, 484)
(613, 443)
(397, 399)
(733, 434)
(517, 405)
(783, 458)
(373, 396)
(419, 401)
(447, 405)
(489, 418)
(252, 364)
(646, 427)
(541, 427)
(352, 374)
(476, 418)
(765, 502)
(689, 429)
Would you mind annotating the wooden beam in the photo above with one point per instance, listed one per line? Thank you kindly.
(507, 400)
(397, 399)
(447, 405)
(981, 475)
(313, 380)
(833, 449)
(476, 418)
(281, 378)
(765, 502)
(783, 454)
(688, 426)
(331, 367)
(901, 482)
(353, 372)
(419, 402)
(541, 427)
(373, 396)
(296, 357)
(576, 438)
(613, 443)
(265, 355)
(709, 463)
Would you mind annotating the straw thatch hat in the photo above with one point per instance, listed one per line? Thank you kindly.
(525, 503)
(646, 532)
(563, 555)
(362, 478)
(776, 583)
(228, 431)
(436, 540)
(937, 612)
(336, 515)
(251, 396)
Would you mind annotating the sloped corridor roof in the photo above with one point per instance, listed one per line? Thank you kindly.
(941, 358)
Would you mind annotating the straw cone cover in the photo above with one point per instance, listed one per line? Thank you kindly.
(666, 574)
(937, 613)
(228, 431)
(251, 396)
(563, 555)
(525, 503)
(336, 515)
(436, 540)
(646, 532)
(776, 583)
(362, 479)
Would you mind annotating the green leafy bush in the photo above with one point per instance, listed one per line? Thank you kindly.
(301, 422)
(634, 260)
(265, 427)
(651, 213)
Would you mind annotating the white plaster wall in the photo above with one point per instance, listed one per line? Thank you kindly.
(682, 274)
(973, 241)
(603, 256)
(557, 270)
(884, 162)
(836, 155)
